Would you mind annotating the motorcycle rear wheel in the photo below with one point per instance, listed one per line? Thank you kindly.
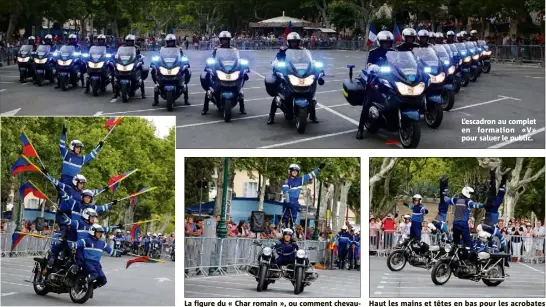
(440, 267)
(494, 283)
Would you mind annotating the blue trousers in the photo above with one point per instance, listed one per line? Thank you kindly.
(461, 233)
(342, 252)
(415, 230)
(442, 226)
(284, 260)
(494, 231)
(94, 270)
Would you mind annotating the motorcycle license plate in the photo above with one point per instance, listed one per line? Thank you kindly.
(63, 73)
(227, 95)
(22, 69)
(410, 90)
(95, 77)
(39, 71)
(124, 81)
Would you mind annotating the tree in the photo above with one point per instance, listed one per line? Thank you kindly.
(342, 15)
(381, 173)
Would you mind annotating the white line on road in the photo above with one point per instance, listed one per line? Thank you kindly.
(519, 138)
(10, 113)
(114, 100)
(100, 113)
(12, 283)
(309, 139)
(485, 102)
(2, 90)
(347, 118)
(14, 275)
(263, 77)
(534, 77)
(9, 293)
(531, 266)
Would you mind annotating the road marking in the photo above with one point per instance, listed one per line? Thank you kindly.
(162, 279)
(483, 103)
(99, 113)
(263, 77)
(14, 275)
(2, 90)
(531, 266)
(146, 110)
(12, 283)
(517, 139)
(345, 117)
(114, 100)
(203, 294)
(534, 77)
(8, 82)
(309, 139)
(10, 113)
(9, 293)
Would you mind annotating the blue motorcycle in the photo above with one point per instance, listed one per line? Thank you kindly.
(69, 66)
(397, 89)
(457, 62)
(475, 67)
(448, 93)
(44, 65)
(171, 72)
(24, 62)
(227, 75)
(129, 73)
(485, 58)
(466, 59)
(430, 64)
(100, 69)
(294, 90)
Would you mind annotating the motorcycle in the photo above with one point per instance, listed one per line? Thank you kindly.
(294, 88)
(118, 244)
(418, 254)
(466, 57)
(397, 90)
(264, 269)
(457, 61)
(64, 278)
(155, 250)
(173, 75)
(227, 75)
(129, 73)
(475, 69)
(430, 64)
(69, 67)
(448, 92)
(100, 69)
(127, 247)
(24, 62)
(485, 58)
(44, 65)
(467, 264)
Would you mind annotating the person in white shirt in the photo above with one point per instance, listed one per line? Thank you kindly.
(405, 226)
(539, 232)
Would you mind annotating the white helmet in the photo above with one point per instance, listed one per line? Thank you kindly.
(344, 227)
(467, 192)
(224, 34)
(78, 179)
(96, 228)
(473, 32)
(422, 33)
(89, 212)
(128, 232)
(439, 35)
(431, 227)
(31, 38)
(75, 143)
(384, 36)
(418, 197)
(484, 236)
(159, 234)
(407, 217)
(48, 36)
(293, 167)
(118, 230)
(463, 33)
(101, 36)
(431, 34)
(130, 37)
(293, 36)
(87, 193)
(170, 37)
(154, 235)
(287, 231)
(72, 36)
(408, 32)
(450, 33)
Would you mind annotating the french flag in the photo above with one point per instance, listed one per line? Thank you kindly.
(372, 35)
(397, 34)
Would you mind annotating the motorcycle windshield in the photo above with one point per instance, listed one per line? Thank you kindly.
(471, 47)
(404, 64)
(227, 59)
(453, 49)
(43, 51)
(427, 56)
(25, 50)
(66, 52)
(462, 49)
(482, 44)
(300, 61)
(169, 56)
(126, 55)
(96, 53)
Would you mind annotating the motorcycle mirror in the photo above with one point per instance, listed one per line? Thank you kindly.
(321, 81)
(245, 77)
(351, 66)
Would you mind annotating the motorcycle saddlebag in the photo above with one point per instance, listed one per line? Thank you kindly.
(204, 80)
(145, 71)
(271, 85)
(354, 92)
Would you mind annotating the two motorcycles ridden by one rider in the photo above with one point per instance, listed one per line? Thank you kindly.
(129, 71)
(294, 83)
(224, 77)
(391, 91)
(171, 73)
(100, 68)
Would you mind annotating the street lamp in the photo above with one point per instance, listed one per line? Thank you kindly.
(315, 232)
(221, 231)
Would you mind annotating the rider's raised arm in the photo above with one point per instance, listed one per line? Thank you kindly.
(309, 176)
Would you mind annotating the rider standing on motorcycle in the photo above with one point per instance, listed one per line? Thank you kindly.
(93, 248)
(343, 240)
(440, 220)
(451, 37)
(293, 39)
(291, 190)
(377, 57)
(423, 38)
(408, 36)
(417, 217)
(494, 200)
(461, 230)
(286, 248)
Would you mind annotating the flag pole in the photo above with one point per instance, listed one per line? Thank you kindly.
(109, 131)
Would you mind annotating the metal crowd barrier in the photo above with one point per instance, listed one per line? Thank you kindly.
(28, 246)
(528, 249)
(518, 54)
(7, 56)
(212, 256)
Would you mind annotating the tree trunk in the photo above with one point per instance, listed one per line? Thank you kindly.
(165, 223)
(323, 9)
(344, 192)
(386, 167)
(336, 214)
(262, 187)
(12, 25)
(219, 187)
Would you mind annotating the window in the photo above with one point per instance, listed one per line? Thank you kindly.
(33, 204)
(250, 189)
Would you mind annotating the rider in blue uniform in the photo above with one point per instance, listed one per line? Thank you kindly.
(93, 248)
(291, 190)
(344, 241)
(417, 216)
(286, 248)
(494, 200)
(461, 230)
(441, 218)
(75, 189)
(356, 255)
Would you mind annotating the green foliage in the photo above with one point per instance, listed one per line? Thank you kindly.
(343, 15)
(131, 145)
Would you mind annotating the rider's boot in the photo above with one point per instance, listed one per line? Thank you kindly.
(272, 111)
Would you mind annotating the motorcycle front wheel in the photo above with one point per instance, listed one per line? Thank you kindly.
(22, 77)
(396, 261)
(465, 80)
(79, 294)
(486, 68)
(298, 285)
(124, 93)
(448, 100)
(441, 272)
(301, 120)
(409, 133)
(95, 87)
(262, 275)
(64, 83)
(170, 100)
(38, 283)
(434, 115)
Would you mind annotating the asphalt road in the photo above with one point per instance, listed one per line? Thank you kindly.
(525, 281)
(508, 92)
(330, 284)
(142, 284)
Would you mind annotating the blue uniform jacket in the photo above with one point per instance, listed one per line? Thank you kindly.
(73, 208)
(93, 248)
(492, 209)
(344, 239)
(418, 213)
(70, 190)
(462, 207)
(72, 163)
(292, 188)
(286, 250)
(56, 243)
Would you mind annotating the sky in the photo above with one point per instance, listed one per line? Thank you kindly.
(162, 124)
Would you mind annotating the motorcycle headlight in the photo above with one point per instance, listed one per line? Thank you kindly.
(211, 61)
(25, 59)
(295, 81)
(65, 63)
(267, 251)
(125, 67)
(76, 54)
(438, 78)
(155, 58)
(96, 65)
(487, 53)
(227, 77)
(467, 59)
(169, 72)
(40, 61)
(184, 59)
(108, 55)
(85, 55)
(300, 253)
(318, 64)
(243, 62)
(476, 57)
(446, 62)
(427, 70)
(406, 90)
(451, 70)
(447, 248)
